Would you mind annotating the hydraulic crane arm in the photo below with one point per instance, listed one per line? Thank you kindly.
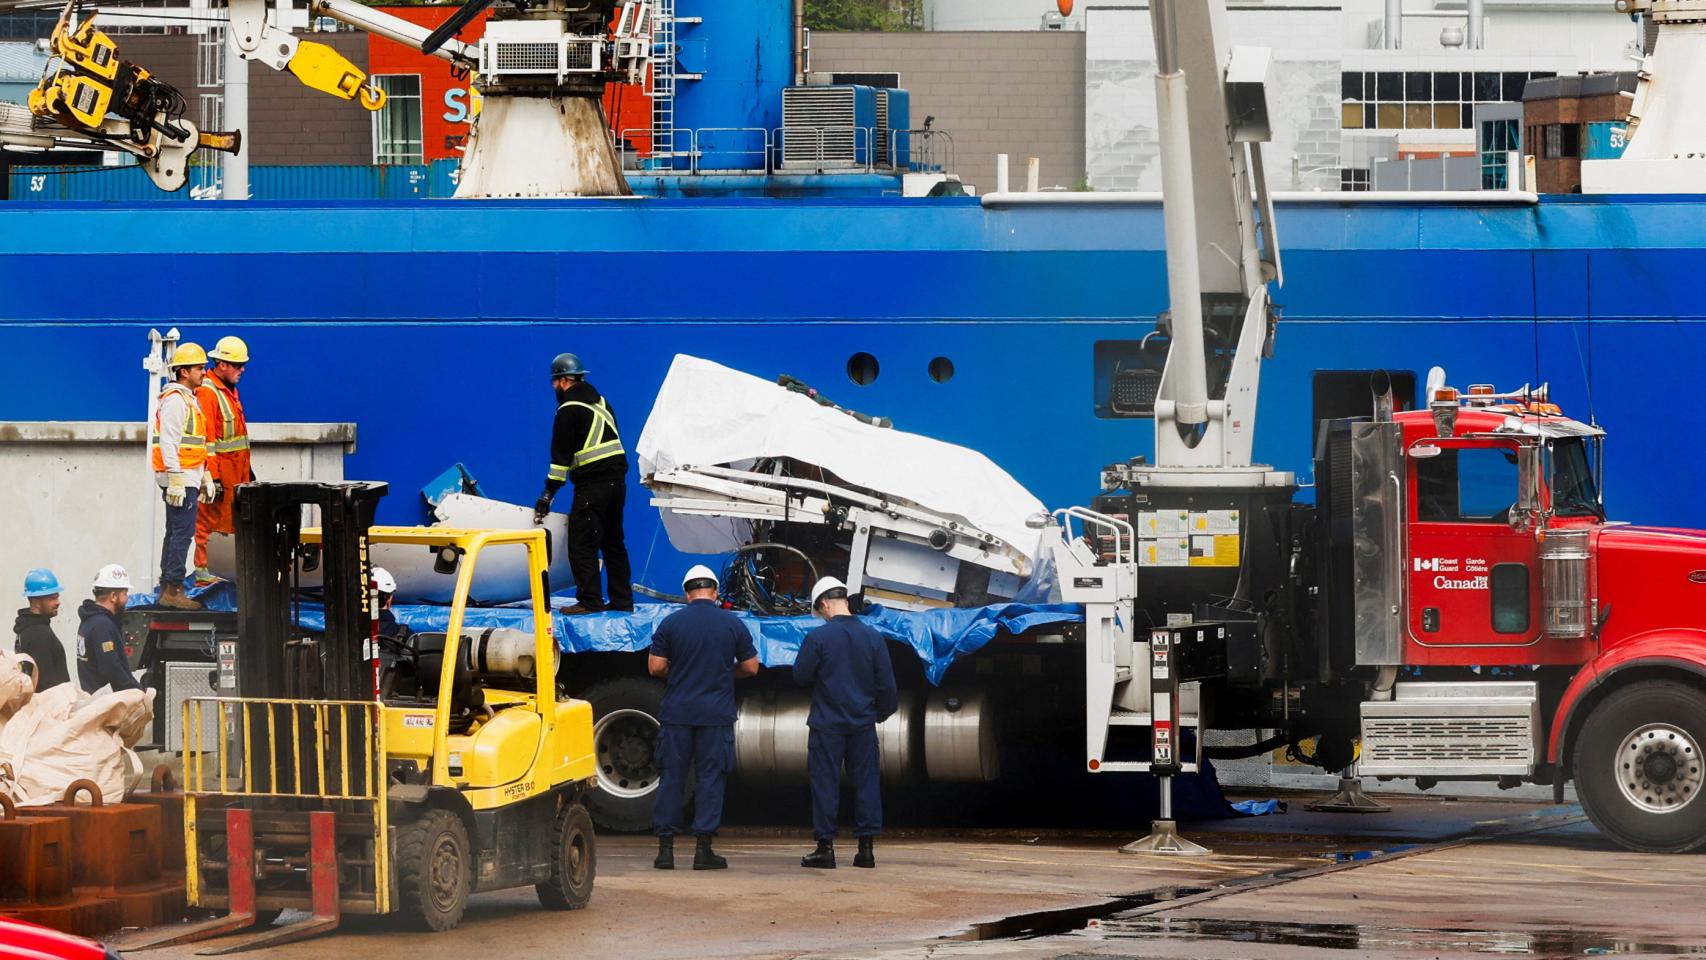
(319, 66)
(90, 97)
(1212, 115)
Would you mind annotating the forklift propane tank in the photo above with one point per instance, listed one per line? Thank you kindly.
(507, 652)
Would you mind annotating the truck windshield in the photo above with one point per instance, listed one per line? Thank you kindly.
(1573, 491)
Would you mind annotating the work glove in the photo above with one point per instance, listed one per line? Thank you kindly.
(175, 488)
(209, 490)
(541, 508)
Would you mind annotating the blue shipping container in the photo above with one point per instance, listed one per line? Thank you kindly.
(1605, 141)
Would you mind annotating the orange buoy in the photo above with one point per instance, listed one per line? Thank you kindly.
(1065, 7)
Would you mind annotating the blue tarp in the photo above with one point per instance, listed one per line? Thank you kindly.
(939, 637)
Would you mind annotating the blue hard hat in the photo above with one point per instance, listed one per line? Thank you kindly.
(40, 582)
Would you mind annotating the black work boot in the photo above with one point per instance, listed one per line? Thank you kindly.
(823, 858)
(704, 858)
(666, 854)
(865, 858)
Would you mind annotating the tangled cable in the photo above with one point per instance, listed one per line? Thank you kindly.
(749, 581)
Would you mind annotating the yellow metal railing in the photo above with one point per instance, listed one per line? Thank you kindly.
(326, 749)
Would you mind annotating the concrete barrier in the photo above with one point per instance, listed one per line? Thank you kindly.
(75, 495)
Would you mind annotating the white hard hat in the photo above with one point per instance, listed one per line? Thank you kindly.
(699, 572)
(383, 580)
(824, 586)
(112, 577)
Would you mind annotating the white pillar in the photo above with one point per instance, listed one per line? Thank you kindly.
(234, 167)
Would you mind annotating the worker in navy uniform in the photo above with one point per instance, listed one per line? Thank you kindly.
(699, 650)
(586, 450)
(100, 643)
(846, 663)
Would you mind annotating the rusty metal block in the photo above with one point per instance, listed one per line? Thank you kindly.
(35, 857)
(150, 905)
(82, 915)
(166, 796)
(112, 845)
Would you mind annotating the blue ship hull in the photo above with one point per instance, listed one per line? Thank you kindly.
(431, 324)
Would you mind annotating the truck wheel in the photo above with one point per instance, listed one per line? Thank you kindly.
(434, 870)
(574, 861)
(1639, 770)
(624, 736)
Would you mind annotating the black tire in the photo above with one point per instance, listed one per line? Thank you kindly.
(1635, 796)
(574, 860)
(624, 712)
(434, 870)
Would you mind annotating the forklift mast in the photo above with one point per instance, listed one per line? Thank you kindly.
(275, 657)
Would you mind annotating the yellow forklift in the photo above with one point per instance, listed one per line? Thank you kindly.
(349, 771)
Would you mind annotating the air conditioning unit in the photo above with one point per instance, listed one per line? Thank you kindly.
(894, 118)
(828, 127)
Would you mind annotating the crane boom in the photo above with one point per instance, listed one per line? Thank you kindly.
(1212, 116)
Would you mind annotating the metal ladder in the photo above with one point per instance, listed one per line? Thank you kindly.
(662, 86)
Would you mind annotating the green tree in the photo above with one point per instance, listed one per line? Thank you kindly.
(878, 15)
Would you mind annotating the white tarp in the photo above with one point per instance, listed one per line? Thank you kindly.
(709, 415)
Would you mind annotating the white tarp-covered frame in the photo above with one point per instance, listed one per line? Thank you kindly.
(709, 415)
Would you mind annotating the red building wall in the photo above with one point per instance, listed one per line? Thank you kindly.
(446, 106)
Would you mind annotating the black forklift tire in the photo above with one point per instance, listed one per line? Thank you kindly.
(622, 709)
(434, 866)
(1638, 766)
(574, 860)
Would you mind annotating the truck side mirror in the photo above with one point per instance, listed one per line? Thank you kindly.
(1528, 481)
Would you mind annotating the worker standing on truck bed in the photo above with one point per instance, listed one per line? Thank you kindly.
(227, 447)
(699, 650)
(846, 663)
(587, 450)
(34, 629)
(100, 644)
(179, 452)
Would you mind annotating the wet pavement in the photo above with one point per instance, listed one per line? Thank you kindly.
(1432, 879)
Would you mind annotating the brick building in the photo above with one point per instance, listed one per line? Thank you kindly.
(1018, 93)
(1556, 116)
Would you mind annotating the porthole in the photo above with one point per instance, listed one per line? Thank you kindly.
(862, 368)
(941, 369)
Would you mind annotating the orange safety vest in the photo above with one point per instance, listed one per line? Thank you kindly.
(228, 432)
(192, 449)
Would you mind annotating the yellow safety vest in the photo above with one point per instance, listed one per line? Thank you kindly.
(602, 441)
(192, 449)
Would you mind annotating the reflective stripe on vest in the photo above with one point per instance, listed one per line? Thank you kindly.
(192, 448)
(594, 448)
(229, 440)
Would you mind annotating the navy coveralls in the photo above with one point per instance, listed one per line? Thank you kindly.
(846, 663)
(100, 651)
(702, 643)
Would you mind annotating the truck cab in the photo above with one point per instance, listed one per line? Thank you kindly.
(1506, 630)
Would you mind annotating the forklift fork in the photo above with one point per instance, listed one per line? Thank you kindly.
(240, 881)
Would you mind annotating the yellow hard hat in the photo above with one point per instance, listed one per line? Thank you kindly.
(231, 350)
(188, 355)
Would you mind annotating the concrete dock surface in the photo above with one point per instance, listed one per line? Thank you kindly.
(1433, 878)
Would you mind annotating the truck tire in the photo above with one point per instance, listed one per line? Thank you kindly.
(434, 870)
(574, 861)
(624, 735)
(1639, 770)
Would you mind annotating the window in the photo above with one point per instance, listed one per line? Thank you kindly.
(1498, 138)
(1417, 100)
(1574, 493)
(1561, 141)
(1510, 598)
(1466, 485)
(397, 136)
(1354, 179)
